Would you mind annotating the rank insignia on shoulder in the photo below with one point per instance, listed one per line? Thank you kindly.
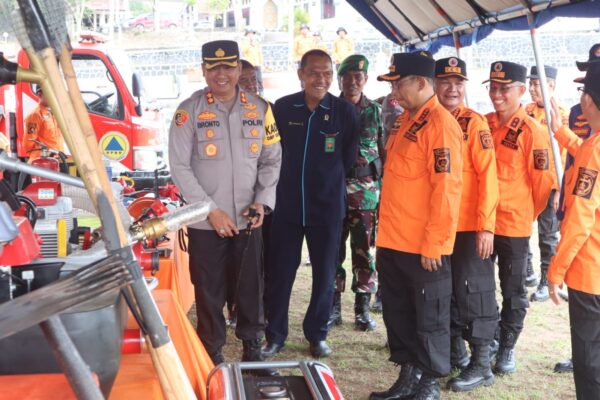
(180, 118)
(441, 159)
(515, 122)
(540, 159)
(585, 183)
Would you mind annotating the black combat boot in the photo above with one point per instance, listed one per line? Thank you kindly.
(362, 318)
(405, 386)
(541, 293)
(532, 279)
(477, 373)
(336, 312)
(252, 353)
(459, 358)
(505, 359)
(428, 388)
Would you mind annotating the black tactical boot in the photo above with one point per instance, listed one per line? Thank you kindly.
(405, 386)
(532, 279)
(428, 388)
(376, 307)
(252, 353)
(459, 358)
(336, 312)
(565, 366)
(477, 373)
(505, 359)
(541, 293)
(362, 318)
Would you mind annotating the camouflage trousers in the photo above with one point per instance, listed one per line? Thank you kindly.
(360, 226)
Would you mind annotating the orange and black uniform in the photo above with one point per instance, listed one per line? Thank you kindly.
(473, 278)
(576, 261)
(525, 178)
(418, 216)
(41, 125)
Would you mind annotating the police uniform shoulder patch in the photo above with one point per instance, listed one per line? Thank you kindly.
(540, 159)
(485, 137)
(180, 118)
(441, 159)
(585, 183)
(271, 131)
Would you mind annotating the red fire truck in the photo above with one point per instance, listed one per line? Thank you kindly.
(126, 133)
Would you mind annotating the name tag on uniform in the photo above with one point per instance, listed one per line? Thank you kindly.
(329, 144)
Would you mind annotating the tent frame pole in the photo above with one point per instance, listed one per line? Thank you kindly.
(543, 83)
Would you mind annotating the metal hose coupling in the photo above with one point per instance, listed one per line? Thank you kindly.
(157, 227)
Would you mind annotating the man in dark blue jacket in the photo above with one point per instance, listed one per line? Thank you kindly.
(319, 139)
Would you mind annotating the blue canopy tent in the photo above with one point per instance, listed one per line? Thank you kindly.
(430, 24)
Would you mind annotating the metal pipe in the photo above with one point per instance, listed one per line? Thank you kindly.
(13, 164)
(77, 371)
(543, 83)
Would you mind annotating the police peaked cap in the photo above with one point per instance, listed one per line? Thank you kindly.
(220, 52)
(451, 66)
(355, 62)
(419, 63)
(551, 72)
(594, 58)
(507, 72)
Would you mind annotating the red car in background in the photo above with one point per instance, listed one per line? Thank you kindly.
(146, 22)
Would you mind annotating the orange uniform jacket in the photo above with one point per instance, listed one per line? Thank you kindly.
(422, 183)
(576, 261)
(41, 125)
(480, 180)
(525, 177)
(539, 114)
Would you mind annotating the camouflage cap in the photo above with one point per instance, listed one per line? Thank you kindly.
(355, 62)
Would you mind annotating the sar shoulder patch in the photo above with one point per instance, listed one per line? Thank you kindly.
(441, 159)
(180, 118)
(585, 183)
(271, 131)
(485, 137)
(540, 159)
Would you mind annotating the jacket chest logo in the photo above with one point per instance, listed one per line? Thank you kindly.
(511, 138)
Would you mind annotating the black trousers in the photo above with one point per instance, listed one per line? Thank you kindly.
(547, 236)
(584, 315)
(474, 311)
(211, 259)
(512, 270)
(284, 258)
(416, 310)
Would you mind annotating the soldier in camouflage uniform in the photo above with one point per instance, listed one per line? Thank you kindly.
(363, 188)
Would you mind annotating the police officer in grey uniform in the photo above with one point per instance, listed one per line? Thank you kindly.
(224, 149)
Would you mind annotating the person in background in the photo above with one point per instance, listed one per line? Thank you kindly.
(318, 42)
(342, 47)
(547, 220)
(576, 261)
(418, 216)
(302, 43)
(252, 52)
(525, 178)
(41, 126)
(319, 135)
(472, 268)
(249, 78)
(363, 185)
(224, 150)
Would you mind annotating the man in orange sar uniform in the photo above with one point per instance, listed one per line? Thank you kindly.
(41, 125)
(418, 216)
(577, 257)
(525, 179)
(472, 268)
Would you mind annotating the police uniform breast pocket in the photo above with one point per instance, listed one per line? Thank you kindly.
(210, 144)
(252, 140)
(330, 140)
(509, 165)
